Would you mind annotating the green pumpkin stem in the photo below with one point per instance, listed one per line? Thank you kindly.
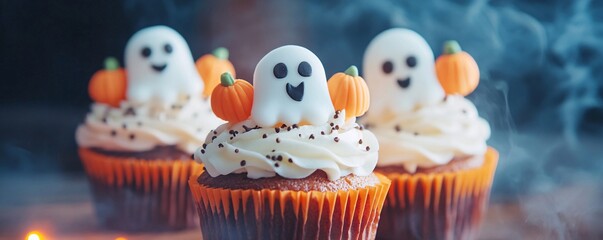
(452, 47)
(111, 64)
(221, 53)
(226, 79)
(352, 71)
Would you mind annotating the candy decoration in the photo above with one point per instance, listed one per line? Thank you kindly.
(457, 70)
(291, 88)
(210, 66)
(232, 99)
(349, 92)
(399, 66)
(160, 67)
(109, 85)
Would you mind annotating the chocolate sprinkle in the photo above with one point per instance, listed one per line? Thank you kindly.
(268, 156)
(124, 126)
(332, 124)
(220, 145)
(311, 136)
(237, 150)
(299, 135)
(288, 128)
(360, 141)
(283, 126)
(277, 130)
(273, 150)
(264, 136)
(336, 139)
(290, 160)
(295, 126)
(398, 129)
(416, 134)
(193, 156)
(337, 127)
(279, 158)
(278, 140)
(276, 164)
(113, 133)
(214, 137)
(368, 148)
(132, 136)
(322, 132)
(204, 145)
(130, 111)
(202, 151)
(243, 162)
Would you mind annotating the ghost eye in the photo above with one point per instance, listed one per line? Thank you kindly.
(280, 70)
(167, 48)
(304, 69)
(146, 52)
(387, 67)
(411, 61)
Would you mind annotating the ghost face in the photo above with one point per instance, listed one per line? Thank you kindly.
(160, 66)
(290, 88)
(399, 69)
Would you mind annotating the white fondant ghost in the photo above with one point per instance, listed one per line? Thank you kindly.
(399, 70)
(291, 88)
(160, 66)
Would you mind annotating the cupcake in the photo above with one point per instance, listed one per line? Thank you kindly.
(432, 140)
(287, 165)
(145, 123)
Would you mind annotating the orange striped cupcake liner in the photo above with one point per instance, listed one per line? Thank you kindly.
(439, 205)
(275, 214)
(141, 195)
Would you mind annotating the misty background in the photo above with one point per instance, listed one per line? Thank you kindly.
(541, 83)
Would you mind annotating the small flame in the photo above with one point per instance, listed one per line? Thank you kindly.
(121, 238)
(34, 235)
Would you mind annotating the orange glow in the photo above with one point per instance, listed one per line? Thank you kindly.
(34, 235)
(121, 238)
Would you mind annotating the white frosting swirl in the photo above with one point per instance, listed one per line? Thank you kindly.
(131, 127)
(338, 148)
(430, 135)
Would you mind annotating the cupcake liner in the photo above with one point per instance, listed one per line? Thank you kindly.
(275, 214)
(141, 195)
(439, 205)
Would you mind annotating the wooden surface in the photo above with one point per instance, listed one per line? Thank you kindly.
(60, 207)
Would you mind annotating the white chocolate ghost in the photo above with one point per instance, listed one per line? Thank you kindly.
(160, 66)
(399, 70)
(290, 88)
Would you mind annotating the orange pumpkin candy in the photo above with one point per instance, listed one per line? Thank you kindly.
(457, 71)
(232, 99)
(109, 85)
(349, 92)
(210, 66)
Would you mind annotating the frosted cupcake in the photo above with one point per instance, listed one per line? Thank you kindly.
(287, 165)
(432, 142)
(146, 122)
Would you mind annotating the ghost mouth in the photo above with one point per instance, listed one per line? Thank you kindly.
(159, 68)
(296, 93)
(404, 83)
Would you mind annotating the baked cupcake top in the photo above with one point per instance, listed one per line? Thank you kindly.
(286, 124)
(419, 123)
(157, 101)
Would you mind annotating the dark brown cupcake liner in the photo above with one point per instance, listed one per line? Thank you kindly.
(275, 214)
(447, 205)
(141, 195)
